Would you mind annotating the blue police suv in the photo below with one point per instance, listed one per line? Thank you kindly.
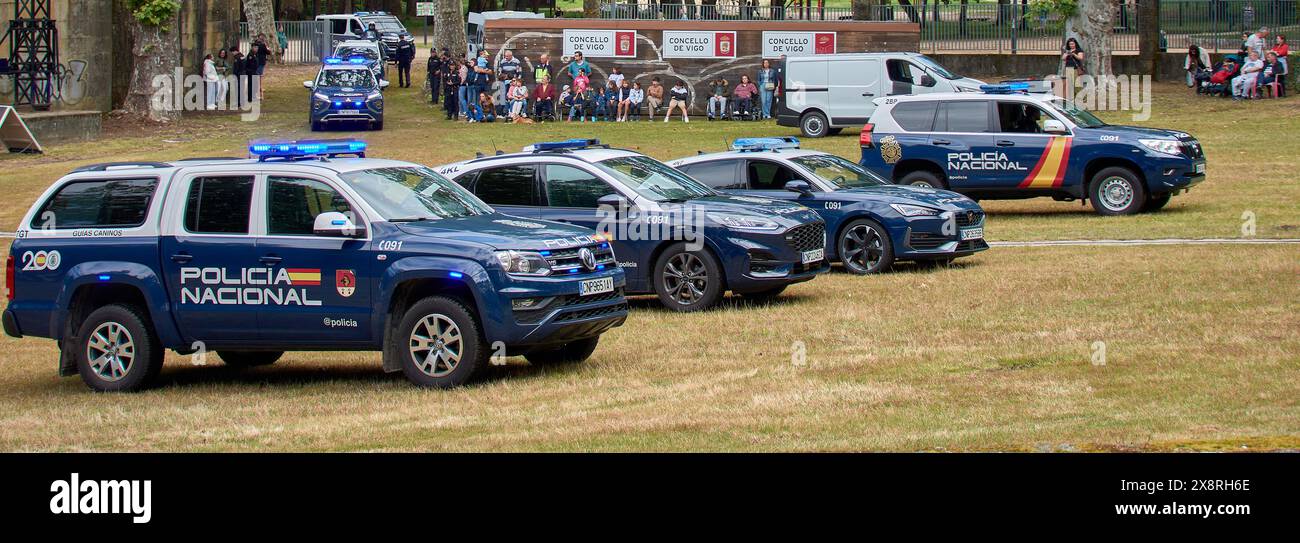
(674, 237)
(1005, 143)
(345, 91)
(303, 248)
(871, 223)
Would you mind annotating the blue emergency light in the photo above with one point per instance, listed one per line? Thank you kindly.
(765, 144)
(576, 143)
(1005, 88)
(350, 60)
(308, 148)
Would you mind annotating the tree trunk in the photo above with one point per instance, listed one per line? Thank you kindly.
(155, 53)
(1095, 24)
(261, 22)
(1149, 37)
(449, 27)
(591, 8)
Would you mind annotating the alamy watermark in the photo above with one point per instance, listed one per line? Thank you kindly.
(180, 92)
(1106, 92)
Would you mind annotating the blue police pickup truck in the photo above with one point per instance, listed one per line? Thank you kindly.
(1006, 143)
(309, 246)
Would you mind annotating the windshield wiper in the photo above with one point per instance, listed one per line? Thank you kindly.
(413, 219)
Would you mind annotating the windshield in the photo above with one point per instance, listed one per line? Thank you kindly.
(839, 172)
(935, 67)
(348, 51)
(358, 79)
(385, 24)
(653, 179)
(414, 194)
(1076, 114)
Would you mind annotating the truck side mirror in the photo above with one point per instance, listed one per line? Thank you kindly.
(614, 204)
(800, 186)
(383, 83)
(927, 81)
(1053, 126)
(309, 84)
(333, 224)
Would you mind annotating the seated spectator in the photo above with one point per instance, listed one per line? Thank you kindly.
(1197, 60)
(678, 97)
(622, 101)
(717, 107)
(566, 101)
(1243, 86)
(544, 98)
(744, 94)
(654, 97)
(600, 105)
(586, 96)
(518, 98)
(1271, 71)
(634, 98)
(486, 111)
(1280, 47)
(576, 105)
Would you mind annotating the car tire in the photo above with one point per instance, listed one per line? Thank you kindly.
(248, 359)
(439, 343)
(1116, 191)
(1157, 201)
(864, 247)
(922, 178)
(117, 350)
(764, 295)
(567, 353)
(378, 125)
(834, 131)
(687, 280)
(813, 125)
(316, 126)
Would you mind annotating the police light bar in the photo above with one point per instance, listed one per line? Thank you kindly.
(576, 143)
(306, 148)
(1005, 88)
(765, 144)
(350, 60)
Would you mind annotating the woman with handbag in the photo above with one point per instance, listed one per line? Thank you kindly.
(767, 87)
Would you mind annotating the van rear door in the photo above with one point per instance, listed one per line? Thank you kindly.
(853, 85)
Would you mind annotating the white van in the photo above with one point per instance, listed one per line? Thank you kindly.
(826, 93)
(352, 26)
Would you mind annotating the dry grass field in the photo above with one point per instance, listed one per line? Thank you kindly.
(999, 352)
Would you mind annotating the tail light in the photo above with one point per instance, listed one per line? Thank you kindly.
(9, 277)
(864, 139)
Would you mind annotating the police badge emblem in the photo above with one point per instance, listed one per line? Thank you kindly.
(890, 151)
(345, 281)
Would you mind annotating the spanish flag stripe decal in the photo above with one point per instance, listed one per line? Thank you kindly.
(1050, 170)
(304, 276)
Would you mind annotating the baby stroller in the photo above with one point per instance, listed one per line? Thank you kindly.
(1218, 82)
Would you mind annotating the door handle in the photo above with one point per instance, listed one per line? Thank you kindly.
(1006, 143)
(270, 259)
(868, 94)
(941, 142)
(181, 258)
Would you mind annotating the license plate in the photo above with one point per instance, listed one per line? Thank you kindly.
(349, 112)
(816, 255)
(1200, 168)
(972, 233)
(596, 286)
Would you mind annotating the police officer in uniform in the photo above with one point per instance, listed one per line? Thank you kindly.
(434, 75)
(450, 84)
(405, 55)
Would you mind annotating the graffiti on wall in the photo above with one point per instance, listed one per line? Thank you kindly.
(70, 87)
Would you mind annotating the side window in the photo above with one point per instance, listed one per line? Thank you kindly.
(567, 186)
(218, 205)
(338, 26)
(764, 175)
(1021, 118)
(718, 174)
(915, 116)
(356, 27)
(963, 116)
(119, 203)
(293, 204)
(507, 186)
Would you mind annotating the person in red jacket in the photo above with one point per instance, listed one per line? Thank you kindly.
(544, 98)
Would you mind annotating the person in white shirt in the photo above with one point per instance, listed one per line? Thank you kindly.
(211, 81)
(1257, 42)
(616, 77)
(1244, 85)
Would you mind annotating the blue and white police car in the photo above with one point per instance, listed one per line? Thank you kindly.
(870, 222)
(1006, 143)
(366, 52)
(345, 91)
(301, 248)
(674, 237)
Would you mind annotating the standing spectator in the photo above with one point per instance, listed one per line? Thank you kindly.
(717, 99)
(743, 95)
(463, 97)
(766, 87)
(253, 71)
(372, 33)
(483, 72)
(634, 99)
(405, 56)
(654, 96)
(433, 74)
(543, 68)
(509, 65)
(578, 66)
(1072, 62)
(283, 39)
(1243, 86)
(238, 69)
(223, 70)
(452, 89)
(1257, 42)
(544, 98)
(616, 76)
(780, 85)
(1197, 60)
(678, 96)
(210, 82)
(1280, 47)
(518, 98)
(624, 102)
(263, 54)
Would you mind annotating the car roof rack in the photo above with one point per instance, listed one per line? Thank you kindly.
(105, 166)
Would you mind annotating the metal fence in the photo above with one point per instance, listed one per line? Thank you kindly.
(999, 28)
(308, 41)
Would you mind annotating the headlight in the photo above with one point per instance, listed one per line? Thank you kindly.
(1168, 147)
(915, 211)
(374, 96)
(321, 97)
(523, 263)
(744, 222)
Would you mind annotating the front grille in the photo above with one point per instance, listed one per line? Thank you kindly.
(1192, 149)
(567, 260)
(972, 245)
(579, 300)
(968, 217)
(807, 237)
(926, 240)
(592, 313)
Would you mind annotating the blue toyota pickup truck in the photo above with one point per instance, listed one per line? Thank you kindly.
(308, 246)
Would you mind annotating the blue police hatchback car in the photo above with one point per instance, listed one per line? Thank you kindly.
(871, 223)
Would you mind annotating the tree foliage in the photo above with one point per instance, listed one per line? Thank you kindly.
(154, 12)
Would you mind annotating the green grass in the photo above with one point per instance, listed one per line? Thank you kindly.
(995, 353)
